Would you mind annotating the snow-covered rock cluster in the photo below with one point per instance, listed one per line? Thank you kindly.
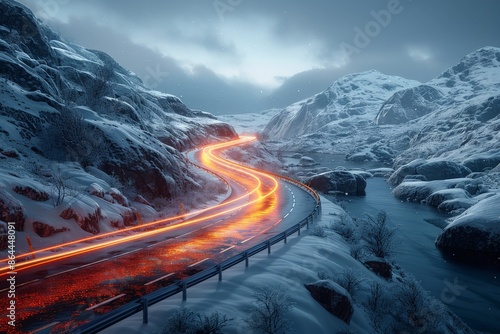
(69, 108)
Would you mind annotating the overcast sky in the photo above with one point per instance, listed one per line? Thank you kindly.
(234, 56)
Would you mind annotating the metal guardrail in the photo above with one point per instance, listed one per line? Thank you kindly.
(143, 303)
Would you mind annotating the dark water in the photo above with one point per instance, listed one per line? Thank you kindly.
(473, 293)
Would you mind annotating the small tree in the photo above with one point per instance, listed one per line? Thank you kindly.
(380, 239)
(270, 310)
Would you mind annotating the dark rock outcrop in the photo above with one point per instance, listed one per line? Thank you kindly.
(46, 230)
(31, 193)
(86, 213)
(338, 181)
(380, 268)
(477, 229)
(442, 170)
(334, 298)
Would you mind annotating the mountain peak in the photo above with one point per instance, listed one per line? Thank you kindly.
(484, 58)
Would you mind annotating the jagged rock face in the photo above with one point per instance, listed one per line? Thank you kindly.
(408, 104)
(11, 210)
(333, 298)
(118, 125)
(338, 181)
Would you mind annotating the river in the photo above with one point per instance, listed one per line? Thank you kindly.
(473, 293)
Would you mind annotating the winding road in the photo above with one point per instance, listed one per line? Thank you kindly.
(68, 285)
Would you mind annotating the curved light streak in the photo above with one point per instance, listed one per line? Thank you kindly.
(208, 152)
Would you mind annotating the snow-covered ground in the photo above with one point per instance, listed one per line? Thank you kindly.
(301, 261)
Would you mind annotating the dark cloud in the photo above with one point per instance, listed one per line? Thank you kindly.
(200, 47)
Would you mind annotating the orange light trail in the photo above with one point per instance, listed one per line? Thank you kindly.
(259, 189)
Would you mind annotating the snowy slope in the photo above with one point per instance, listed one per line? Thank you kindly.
(75, 115)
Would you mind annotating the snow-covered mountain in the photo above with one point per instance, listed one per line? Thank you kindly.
(453, 115)
(70, 113)
(349, 103)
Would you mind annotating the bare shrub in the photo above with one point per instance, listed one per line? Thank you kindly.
(185, 321)
(318, 231)
(270, 310)
(380, 239)
(60, 188)
(377, 304)
(417, 312)
(212, 324)
(344, 227)
(350, 279)
(181, 322)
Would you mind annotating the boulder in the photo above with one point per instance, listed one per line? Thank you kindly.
(436, 198)
(118, 197)
(442, 170)
(480, 162)
(86, 212)
(419, 191)
(306, 161)
(414, 178)
(409, 169)
(45, 230)
(338, 181)
(334, 298)
(477, 229)
(11, 210)
(95, 190)
(31, 193)
(380, 268)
